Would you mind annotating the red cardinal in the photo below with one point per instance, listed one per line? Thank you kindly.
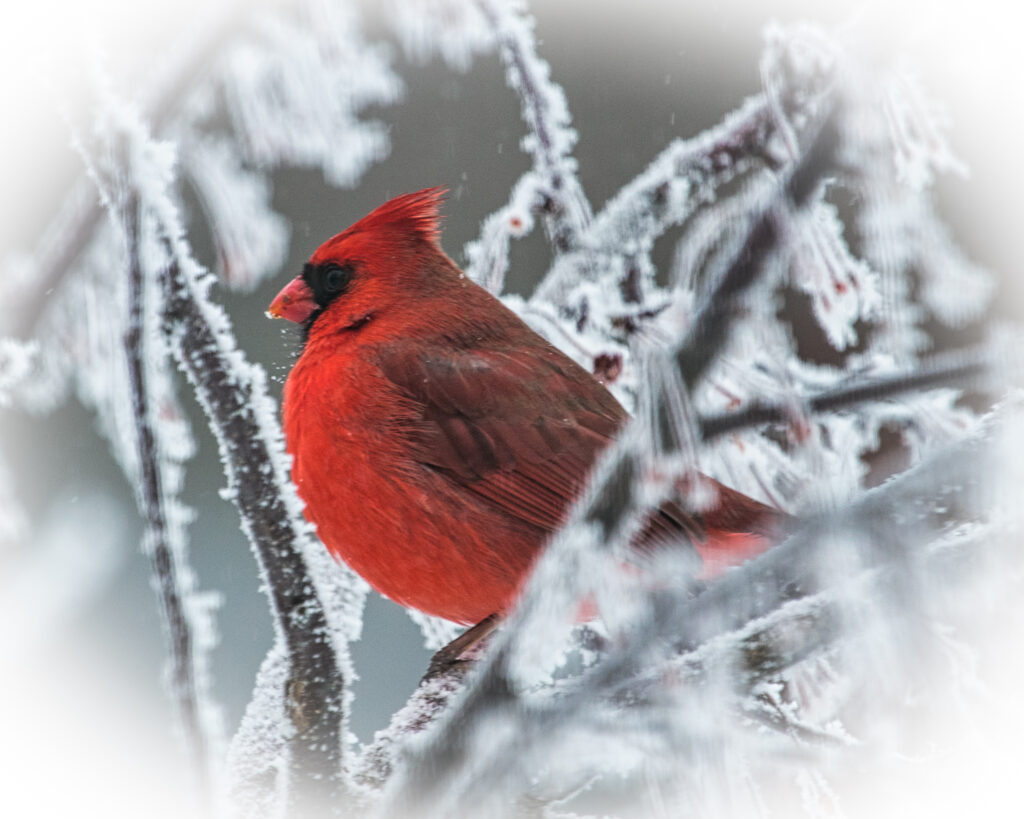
(437, 440)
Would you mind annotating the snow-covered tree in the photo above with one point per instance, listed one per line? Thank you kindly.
(807, 213)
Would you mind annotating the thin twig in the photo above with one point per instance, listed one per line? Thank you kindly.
(177, 625)
(954, 368)
(677, 182)
(564, 206)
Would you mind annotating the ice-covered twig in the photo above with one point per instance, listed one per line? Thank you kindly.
(957, 368)
(184, 685)
(714, 316)
(233, 394)
(429, 701)
(681, 178)
(551, 188)
(551, 137)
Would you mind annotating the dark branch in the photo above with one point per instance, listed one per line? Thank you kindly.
(958, 368)
(150, 498)
(720, 307)
(315, 696)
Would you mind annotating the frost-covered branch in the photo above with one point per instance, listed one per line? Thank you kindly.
(551, 138)
(960, 368)
(165, 555)
(551, 188)
(714, 317)
(744, 629)
(677, 182)
(241, 415)
(233, 394)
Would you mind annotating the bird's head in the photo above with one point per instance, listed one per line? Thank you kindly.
(368, 267)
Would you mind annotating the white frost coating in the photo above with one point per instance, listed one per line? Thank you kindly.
(340, 593)
(487, 256)
(94, 325)
(551, 186)
(251, 239)
(257, 763)
(793, 57)
(842, 288)
(437, 632)
(954, 288)
(918, 129)
(295, 97)
(454, 29)
(18, 359)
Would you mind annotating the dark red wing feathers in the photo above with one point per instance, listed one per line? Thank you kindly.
(520, 431)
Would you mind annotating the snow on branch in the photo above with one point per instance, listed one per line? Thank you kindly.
(671, 187)
(455, 29)
(551, 188)
(182, 617)
(233, 394)
(956, 368)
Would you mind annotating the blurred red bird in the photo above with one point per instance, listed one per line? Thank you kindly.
(437, 440)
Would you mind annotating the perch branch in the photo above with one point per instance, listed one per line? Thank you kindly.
(748, 620)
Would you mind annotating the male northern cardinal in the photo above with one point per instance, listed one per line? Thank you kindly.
(437, 440)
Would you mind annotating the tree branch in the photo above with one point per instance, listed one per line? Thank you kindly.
(680, 179)
(551, 187)
(955, 368)
(562, 202)
(151, 501)
(232, 393)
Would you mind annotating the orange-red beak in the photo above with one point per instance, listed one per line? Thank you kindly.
(295, 302)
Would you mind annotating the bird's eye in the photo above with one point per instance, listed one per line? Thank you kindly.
(335, 279)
